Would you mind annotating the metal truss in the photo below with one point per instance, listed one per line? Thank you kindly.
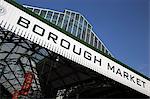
(18, 56)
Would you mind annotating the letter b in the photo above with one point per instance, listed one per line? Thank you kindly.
(23, 22)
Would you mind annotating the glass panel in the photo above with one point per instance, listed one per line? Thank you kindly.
(60, 20)
(88, 36)
(83, 33)
(81, 19)
(85, 24)
(99, 45)
(67, 12)
(103, 48)
(92, 35)
(77, 17)
(72, 15)
(76, 23)
(106, 52)
(89, 26)
(43, 13)
(75, 27)
(84, 30)
(95, 43)
(65, 22)
(36, 11)
(71, 23)
(74, 30)
(70, 27)
(49, 15)
(79, 31)
(54, 18)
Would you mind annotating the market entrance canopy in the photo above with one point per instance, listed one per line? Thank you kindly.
(26, 24)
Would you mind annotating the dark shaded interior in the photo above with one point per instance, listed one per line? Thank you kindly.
(79, 81)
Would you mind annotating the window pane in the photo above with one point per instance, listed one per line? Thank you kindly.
(36, 11)
(49, 15)
(106, 52)
(99, 45)
(60, 20)
(72, 15)
(85, 24)
(83, 33)
(103, 48)
(70, 25)
(84, 30)
(65, 22)
(81, 20)
(92, 35)
(79, 31)
(43, 13)
(69, 28)
(77, 17)
(88, 35)
(74, 30)
(54, 18)
(89, 26)
(75, 27)
(95, 43)
(67, 12)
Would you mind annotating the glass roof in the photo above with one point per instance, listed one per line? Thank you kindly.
(17, 56)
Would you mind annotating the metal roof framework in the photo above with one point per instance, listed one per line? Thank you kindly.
(16, 58)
